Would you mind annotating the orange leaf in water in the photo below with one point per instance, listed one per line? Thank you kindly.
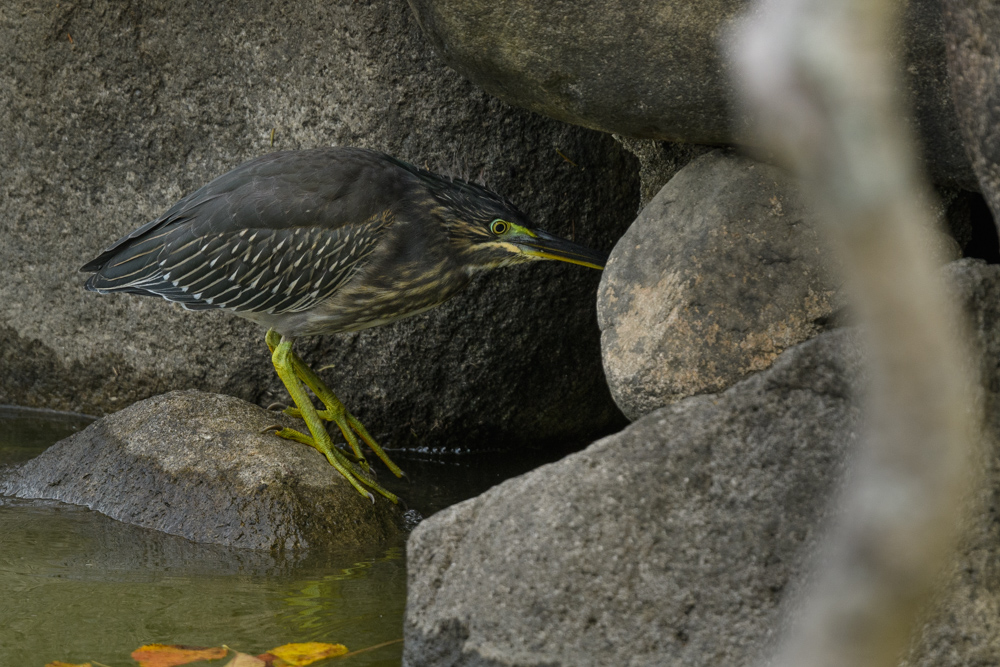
(60, 663)
(163, 655)
(298, 655)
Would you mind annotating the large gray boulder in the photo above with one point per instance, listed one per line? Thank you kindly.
(670, 543)
(196, 465)
(114, 110)
(973, 37)
(654, 69)
(720, 273)
(683, 539)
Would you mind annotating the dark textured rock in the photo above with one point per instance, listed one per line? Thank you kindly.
(719, 274)
(152, 99)
(963, 627)
(671, 542)
(196, 465)
(680, 540)
(653, 70)
(972, 29)
(659, 161)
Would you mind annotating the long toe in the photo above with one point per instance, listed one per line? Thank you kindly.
(325, 415)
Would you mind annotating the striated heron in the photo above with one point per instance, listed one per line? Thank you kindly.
(323, 241)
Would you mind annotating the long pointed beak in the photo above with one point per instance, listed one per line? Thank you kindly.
(548, 246)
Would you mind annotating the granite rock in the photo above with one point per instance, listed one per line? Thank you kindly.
(972, 30)
(685, 538)
(115, 110)
(196, 465)
(671, 542)
(654, 70)
(719, 274)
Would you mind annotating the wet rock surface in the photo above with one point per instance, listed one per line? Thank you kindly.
(194, 464)
(683, 539)
(719, 274)
(116, 110)
(654, 70)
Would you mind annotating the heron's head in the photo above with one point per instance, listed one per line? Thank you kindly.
(489, 232)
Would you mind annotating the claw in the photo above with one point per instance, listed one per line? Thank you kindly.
(277, 407)
(272, 427)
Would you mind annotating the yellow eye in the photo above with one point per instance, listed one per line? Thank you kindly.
(499, 226)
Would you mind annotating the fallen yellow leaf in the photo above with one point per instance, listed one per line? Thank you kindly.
(164, 655)
(298, 655)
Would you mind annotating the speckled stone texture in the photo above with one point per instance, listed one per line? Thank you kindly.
(195, 465)
(114, 110)
(972, 29)
(683, 539)
(670, 543)
(659, 161)
(653, 70)
(963, 626)
(719, 274)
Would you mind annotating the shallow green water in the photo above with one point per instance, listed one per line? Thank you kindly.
(77, 586)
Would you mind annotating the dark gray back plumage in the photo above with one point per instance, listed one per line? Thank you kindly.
(278, 234)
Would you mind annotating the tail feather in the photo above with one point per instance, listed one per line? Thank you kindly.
(133, 266)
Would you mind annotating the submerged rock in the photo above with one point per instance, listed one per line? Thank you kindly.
(680, 540)
(195, 465)
(721, 272)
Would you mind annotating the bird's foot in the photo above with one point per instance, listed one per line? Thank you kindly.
(353, 426)
(293, 373)
(352, 429)
(292, 411)
(335, 411)
(355, 470)
(298, 436)
(325, 415)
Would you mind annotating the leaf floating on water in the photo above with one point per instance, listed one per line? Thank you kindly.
(172, 655)
(168, 655)
(298, 655)
(245, 660)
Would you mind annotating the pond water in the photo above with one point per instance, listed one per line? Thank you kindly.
(77, 586)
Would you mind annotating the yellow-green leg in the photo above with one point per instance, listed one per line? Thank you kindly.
(335, 411)
(283, 358)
